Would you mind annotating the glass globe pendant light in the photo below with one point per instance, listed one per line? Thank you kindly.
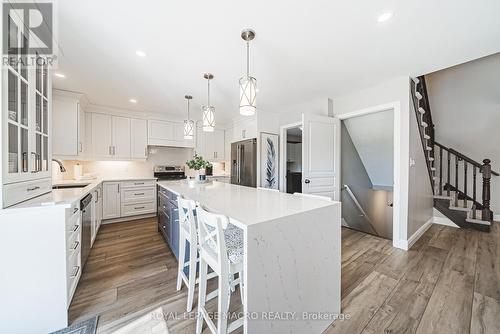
(248, 84)
(188, 123)
(208, 110)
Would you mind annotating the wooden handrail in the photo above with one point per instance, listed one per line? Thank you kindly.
(463, 157)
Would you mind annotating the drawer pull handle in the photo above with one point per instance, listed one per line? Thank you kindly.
(76, 228)
(139, 207)
(138, 183)
(75, 245)
(75, 210)
(175, 209)
(33, 188)
(139, 194)
(75, 272)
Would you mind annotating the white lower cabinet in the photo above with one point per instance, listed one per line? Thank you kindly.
(97, 213)
(128, 198)
(111, 204)
(73, 249)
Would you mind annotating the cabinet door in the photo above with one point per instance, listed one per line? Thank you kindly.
(209, 145)
(121, 137)
(81, 129)
(219, 144)
(139, 133)
(101, 136)
(161, 130)
(199, 148)
(65, 127)
(111, 200)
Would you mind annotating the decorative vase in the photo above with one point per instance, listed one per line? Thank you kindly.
(200, 175)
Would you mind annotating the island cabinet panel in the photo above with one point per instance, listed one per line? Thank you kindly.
(168, 219)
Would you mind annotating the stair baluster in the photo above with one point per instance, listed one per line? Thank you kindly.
(465, 184)
(457, 159)
(440, 171)
(486, 170)
(449, 174)
(474, 186)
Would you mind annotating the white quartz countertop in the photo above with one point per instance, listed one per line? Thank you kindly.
(67, 196)
(246, 205)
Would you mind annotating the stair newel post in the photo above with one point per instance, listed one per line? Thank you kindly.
(440, 171)
(465, 184)
(457, 159)
(486, 170)
(474, 186)
(448, 175)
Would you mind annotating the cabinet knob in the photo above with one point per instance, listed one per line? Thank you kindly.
(307, 181)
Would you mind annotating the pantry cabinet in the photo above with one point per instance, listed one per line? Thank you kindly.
(26, 127)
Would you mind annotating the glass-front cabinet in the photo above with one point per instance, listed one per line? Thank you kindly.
(26, 105)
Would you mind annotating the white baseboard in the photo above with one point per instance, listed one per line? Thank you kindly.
(406, 244)
(496, 218)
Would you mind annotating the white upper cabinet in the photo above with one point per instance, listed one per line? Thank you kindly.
(121, 137)
(211, 145)
(102, 138)
(68, 126)
(244, 129)
(139, 132)
(166, 133)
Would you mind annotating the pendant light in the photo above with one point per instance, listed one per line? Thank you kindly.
(208, 110)
(188, 123)
(248, 84)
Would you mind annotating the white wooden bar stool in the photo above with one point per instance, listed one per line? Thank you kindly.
(221, 248)
(269, 189)
(326, 198)
(187, 232)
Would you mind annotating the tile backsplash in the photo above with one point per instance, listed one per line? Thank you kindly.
(157, 156)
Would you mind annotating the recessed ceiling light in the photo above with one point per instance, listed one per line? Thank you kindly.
(59, 75)
(133, 101)
(140, 53)
(385, 17)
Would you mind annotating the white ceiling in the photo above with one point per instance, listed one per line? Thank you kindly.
(304, 50)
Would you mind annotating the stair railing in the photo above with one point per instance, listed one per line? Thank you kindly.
(360, 208)
(456, 178)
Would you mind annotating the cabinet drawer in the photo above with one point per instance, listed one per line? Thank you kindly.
(73, 249)
(133, 209)
(138, 194)
(18, 192)
(138, 183)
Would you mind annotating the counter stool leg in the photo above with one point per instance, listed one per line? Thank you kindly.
(223, 302)
(193, 254)
(182, 256)
(202, 295)
(240, 275)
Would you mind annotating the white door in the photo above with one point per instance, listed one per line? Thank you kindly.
(101, 136)
(111, 204)
(121, 137)
(139, 130)
(319, 165)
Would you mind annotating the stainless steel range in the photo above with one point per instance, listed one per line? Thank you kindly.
(165, 172)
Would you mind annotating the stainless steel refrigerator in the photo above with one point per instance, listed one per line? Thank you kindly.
(244, 163)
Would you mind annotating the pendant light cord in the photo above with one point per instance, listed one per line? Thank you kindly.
(188, 109)
(208, 92)
(248, 58)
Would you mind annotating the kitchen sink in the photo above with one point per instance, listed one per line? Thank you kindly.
(66, 186)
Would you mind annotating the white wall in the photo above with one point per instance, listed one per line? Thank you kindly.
(396, 94)
(293, 114)
(465, 107)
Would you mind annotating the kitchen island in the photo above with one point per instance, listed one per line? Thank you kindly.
(292, 254)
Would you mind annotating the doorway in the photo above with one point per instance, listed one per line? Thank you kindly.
(293, 160)
(367, 172)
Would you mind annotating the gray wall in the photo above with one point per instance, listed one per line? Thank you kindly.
(420, 196)
(374, 202)
(465, 105)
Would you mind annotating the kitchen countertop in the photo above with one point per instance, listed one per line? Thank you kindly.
(65, 197)
(245, 205)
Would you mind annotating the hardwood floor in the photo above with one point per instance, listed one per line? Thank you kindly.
(449, 282)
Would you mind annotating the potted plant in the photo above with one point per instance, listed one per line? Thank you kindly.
(199, 165)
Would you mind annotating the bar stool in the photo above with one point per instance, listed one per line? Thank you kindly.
(221, 248)
(326, 198)
(187, 232)
(268, 189)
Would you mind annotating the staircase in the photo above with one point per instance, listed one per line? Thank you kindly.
(461, 186)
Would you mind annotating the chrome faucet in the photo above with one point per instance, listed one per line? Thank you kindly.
(61, 166)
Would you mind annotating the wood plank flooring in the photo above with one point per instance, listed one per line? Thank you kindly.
(449, 282)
